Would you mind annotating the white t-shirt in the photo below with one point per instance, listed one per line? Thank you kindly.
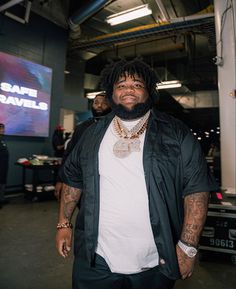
(125, 238)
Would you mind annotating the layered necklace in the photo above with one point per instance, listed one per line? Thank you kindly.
(128, 139)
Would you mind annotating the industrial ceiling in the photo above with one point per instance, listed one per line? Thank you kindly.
(177, 40)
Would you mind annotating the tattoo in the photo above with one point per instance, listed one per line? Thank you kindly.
(195, 212)
(71, 197)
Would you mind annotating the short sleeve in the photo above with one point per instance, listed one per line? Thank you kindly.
(71, 173)
(196, 174)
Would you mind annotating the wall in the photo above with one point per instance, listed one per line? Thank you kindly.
(74, 85)
(44, 43)
(67, 119)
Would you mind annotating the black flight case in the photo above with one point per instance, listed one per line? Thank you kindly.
(219, 233)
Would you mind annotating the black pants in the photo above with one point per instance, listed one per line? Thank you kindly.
(100, 277)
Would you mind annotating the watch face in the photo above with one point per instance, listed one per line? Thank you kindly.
(188, 250)
(192, 252)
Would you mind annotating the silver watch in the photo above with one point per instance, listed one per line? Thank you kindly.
(190, 251)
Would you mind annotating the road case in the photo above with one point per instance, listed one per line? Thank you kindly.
(219, 233)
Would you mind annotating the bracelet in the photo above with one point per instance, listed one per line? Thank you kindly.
(64, 225)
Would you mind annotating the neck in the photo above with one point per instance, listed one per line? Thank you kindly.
(134, 119)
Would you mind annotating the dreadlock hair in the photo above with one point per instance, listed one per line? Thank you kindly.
(111, 73)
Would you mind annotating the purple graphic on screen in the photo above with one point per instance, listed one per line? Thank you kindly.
(25, 92)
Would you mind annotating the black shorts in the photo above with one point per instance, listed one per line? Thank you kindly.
(101, 277)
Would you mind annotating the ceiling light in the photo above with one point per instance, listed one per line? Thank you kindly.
(129, 14)
(92, 95)
(169, 84)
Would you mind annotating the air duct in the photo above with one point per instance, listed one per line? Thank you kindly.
(85, 12)
(82, 14)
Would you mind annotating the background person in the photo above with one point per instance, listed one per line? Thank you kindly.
(58, 141)
(143, 183)
(100, 108)
(214, 152)
(4, 162)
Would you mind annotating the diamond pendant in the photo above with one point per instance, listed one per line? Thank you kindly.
(121, 148)
(134, 145)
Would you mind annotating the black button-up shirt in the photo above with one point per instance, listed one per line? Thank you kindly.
(174, 166)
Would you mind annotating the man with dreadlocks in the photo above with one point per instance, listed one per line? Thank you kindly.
(143, 183)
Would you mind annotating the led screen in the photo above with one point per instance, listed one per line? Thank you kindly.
(25, 91)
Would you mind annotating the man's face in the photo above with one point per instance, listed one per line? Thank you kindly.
(100, 105)
(129, 91)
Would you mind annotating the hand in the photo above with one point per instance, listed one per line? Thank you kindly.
(186, 264)
(58, 189)
(64, 241)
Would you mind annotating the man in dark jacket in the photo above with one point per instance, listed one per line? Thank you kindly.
(58, 141)
(100, 108)
(144, 185)
(4, 159)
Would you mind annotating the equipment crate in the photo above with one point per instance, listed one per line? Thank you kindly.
(219, 233)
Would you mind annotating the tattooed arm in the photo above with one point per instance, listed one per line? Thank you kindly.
(69, 199)
(195, 212)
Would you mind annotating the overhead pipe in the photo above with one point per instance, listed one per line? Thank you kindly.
(9, 4)
(85, 12)
(191, 17)
(162, 9)
(205, 16)
(145, 31)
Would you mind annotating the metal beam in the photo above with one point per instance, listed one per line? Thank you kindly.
(9, 4)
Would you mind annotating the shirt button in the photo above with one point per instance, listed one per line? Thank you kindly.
(162, 261)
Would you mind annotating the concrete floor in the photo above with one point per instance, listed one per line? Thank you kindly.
(29, 260)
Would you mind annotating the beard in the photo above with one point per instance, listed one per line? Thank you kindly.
(137, 111)
(98, 114)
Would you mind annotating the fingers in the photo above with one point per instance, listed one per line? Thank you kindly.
(186, 264)
(186, 275)
(186, 272)
(63, 248)
(63, 243)
(58, 189)
(57, 194)
(60, 247)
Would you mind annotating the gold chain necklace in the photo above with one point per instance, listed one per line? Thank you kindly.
(129, 139)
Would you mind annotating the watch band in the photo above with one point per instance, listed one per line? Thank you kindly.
(190, 251)
(189, 245)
